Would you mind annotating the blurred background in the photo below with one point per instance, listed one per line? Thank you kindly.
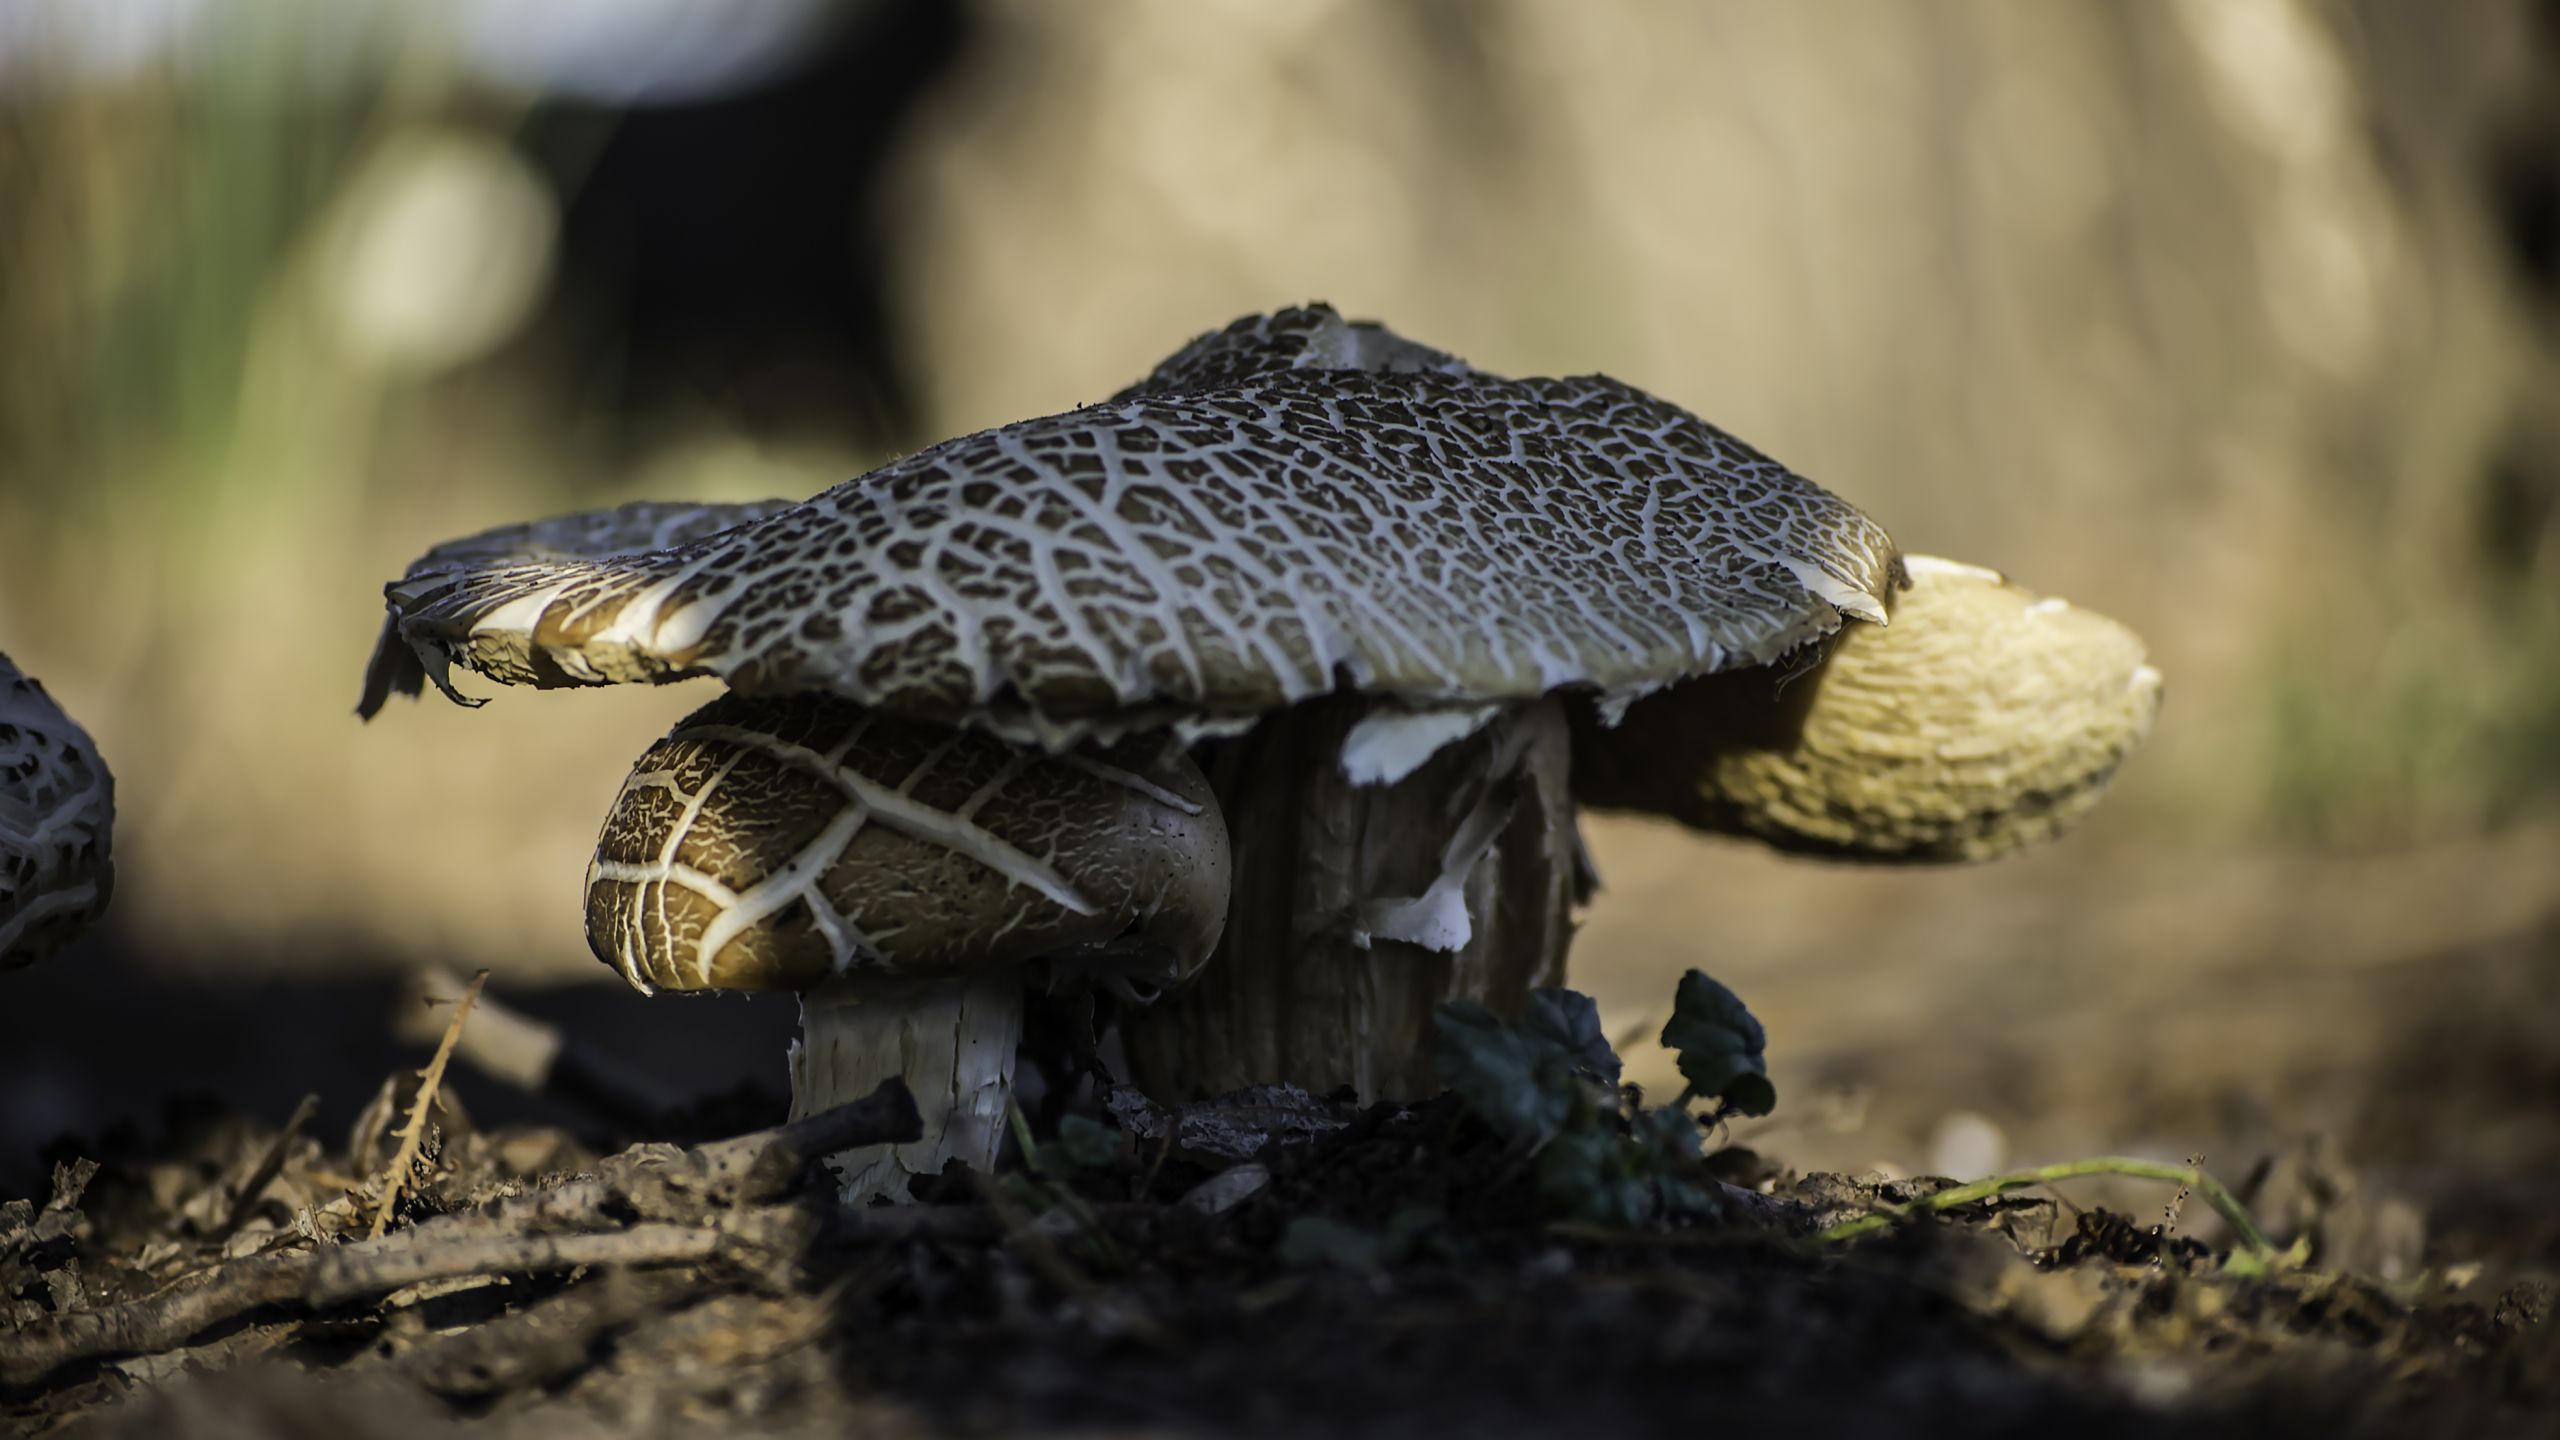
(2236, 319)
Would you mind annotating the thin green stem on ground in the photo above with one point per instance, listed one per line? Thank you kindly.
(2253, 1242)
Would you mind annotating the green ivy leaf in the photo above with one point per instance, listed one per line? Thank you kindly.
(1551, 1081)
(1668, 1136)
(1570, 1021)
(1313, 1240)
(1626, 1177)
(1720, 1043)
(1670, 1144)
(1519, 1083)
(1581, 1174)
(1082, 1144)
(1086, 1143)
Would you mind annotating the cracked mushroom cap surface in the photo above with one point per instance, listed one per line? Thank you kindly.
(631, 529)
(776, 843)
(1290, 507)
(57, 822)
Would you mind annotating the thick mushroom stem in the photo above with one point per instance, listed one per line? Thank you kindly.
(953, 1042)
(1359, 907)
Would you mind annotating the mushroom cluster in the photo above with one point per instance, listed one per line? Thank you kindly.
(57, 824)
(1314, 640)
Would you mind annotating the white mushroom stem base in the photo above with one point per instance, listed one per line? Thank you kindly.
(952, 1041)
(1311, 984)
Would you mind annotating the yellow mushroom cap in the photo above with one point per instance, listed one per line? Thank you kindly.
(1980, 719)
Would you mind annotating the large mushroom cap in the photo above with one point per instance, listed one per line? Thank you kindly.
(1199, 556)
(57, 819)
(775, 844)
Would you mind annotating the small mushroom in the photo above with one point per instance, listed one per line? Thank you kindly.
(57, 824)
(907, 880)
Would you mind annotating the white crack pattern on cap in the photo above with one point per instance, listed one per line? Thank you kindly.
(57, 822)
(1244, 530)
(770, 843)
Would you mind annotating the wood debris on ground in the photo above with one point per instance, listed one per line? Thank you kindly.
(1371, 1270)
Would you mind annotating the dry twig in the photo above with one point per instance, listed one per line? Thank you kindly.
(318, 1279)
(269, 1166)
(395, 1179)
(690, 1205)
(537, 1057)
(550, 1338)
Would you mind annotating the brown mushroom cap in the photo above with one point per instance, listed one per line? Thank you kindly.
(592, 535)
(773, 844)
(57, 822)
(1197, 557)
(1983, 719)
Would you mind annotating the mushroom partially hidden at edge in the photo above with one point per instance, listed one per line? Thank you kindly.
(57, 824)
(1363, 581)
